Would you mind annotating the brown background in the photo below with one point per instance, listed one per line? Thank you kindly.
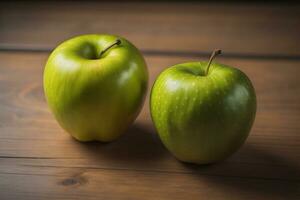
(39, 161)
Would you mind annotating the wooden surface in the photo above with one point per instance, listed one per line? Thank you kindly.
(39, 161)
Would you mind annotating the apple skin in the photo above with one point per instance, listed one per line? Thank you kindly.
(202, 119)
(95, 98)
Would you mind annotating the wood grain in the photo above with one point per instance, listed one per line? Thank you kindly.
(38, 160)
(242, 29)
(76, 183)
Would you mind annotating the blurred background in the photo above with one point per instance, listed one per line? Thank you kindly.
(241, 28)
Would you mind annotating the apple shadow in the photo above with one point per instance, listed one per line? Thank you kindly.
(137, 146)
(252, 172)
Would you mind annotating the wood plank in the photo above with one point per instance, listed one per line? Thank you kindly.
(81, 183)
(29, 136)
(239, 29)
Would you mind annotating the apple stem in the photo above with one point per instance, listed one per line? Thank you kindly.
(213, 55)
(117, 42)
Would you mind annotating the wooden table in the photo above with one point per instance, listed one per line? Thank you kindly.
(39, 161)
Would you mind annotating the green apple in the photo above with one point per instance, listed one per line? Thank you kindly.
(95, 85)
(203, 111)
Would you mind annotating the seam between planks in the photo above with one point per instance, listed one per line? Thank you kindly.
(192, 54)
(150, 171)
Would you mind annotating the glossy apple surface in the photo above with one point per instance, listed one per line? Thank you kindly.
(202, 118)
(95, 97)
